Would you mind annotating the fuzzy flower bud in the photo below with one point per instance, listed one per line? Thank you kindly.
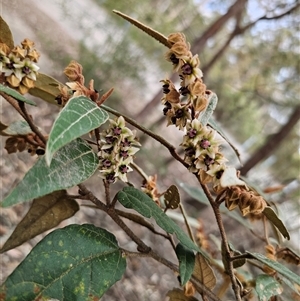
(118, 146)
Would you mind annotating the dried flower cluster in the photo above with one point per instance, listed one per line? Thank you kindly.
(30, 142)
(76, 85)
(117, 149)
(18, 66)
(249, 202)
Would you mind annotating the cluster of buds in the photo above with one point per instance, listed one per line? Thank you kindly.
(192, 89)
(118, 145)
(249, 202)
(189, 109)
(18, 66)
(184, 106)
(201, 147)
(76, 85)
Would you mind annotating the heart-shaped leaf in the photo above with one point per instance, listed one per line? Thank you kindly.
(71, 165)
(78, 263)
(172, 197)
(133, 198)
(186, 260)
(77, 118)
(44, 214)
(13, 93)
(46, 88)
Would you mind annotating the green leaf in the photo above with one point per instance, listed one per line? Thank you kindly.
(78, 263)
(266, 287)
(17, 128)
(71, 165)
(5, 34)
(277, 267)
(13, 93)
(44, 214)
(133, 198)
(186, 260)
(212, 123)
(276, 221)
(212, 103)
(77, 118)
(46, 88)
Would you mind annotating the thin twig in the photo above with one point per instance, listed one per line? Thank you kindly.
(131, 216)
(139, 220)
(13, 102)
(241, 256)
(218, 217)
(134, 254)
(220, 199)
(142, 247)
(33, 127)
(90, 196)
(187, 223)
(107, 192)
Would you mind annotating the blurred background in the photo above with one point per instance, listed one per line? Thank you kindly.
(249, 53)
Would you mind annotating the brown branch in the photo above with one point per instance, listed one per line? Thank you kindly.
(13, 102)
(216, 210)
(33, 127)
(199, 286)
(139, 220)
(142, 247)
(21, 109)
